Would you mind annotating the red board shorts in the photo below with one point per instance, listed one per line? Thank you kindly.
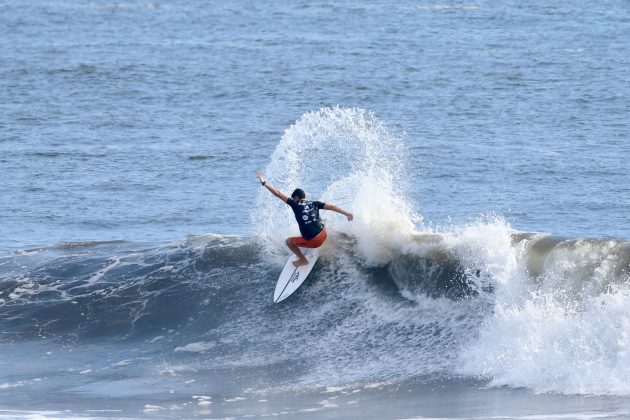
(316, 242)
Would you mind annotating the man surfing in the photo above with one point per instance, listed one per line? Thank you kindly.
(307, 216)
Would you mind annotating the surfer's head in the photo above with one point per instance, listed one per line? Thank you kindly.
(298, 194)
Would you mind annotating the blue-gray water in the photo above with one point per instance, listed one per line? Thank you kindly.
(482, 146)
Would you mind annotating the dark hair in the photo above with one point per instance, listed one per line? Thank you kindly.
(299, 194)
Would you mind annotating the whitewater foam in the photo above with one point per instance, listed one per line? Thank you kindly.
(564, 330)
(529, 310)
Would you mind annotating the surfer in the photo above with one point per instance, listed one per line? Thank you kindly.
(307, 216)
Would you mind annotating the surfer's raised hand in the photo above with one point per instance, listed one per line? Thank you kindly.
(261, 177)
(282, 196)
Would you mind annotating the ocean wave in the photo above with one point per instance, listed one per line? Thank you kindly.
(446, 304)
(389, 299)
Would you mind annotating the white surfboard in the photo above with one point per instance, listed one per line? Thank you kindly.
(292, 278)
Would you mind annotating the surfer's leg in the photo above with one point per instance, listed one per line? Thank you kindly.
(292, 244)
(317, 241)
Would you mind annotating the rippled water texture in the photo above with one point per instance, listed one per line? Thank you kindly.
(146, 121)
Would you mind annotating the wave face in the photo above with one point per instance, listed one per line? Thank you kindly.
(537, 311)
(391, 299)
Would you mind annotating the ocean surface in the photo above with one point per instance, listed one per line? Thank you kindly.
(483, 148)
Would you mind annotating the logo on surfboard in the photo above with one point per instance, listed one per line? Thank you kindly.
(295, 276)
(292, 277)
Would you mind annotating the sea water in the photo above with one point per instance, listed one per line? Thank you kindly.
(482, 147)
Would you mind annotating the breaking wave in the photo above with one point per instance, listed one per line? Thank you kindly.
(390, 299)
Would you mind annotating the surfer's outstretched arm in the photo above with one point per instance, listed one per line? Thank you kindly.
(339, 210)
(282, 196)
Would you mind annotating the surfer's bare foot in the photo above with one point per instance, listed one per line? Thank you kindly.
(300, 262)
